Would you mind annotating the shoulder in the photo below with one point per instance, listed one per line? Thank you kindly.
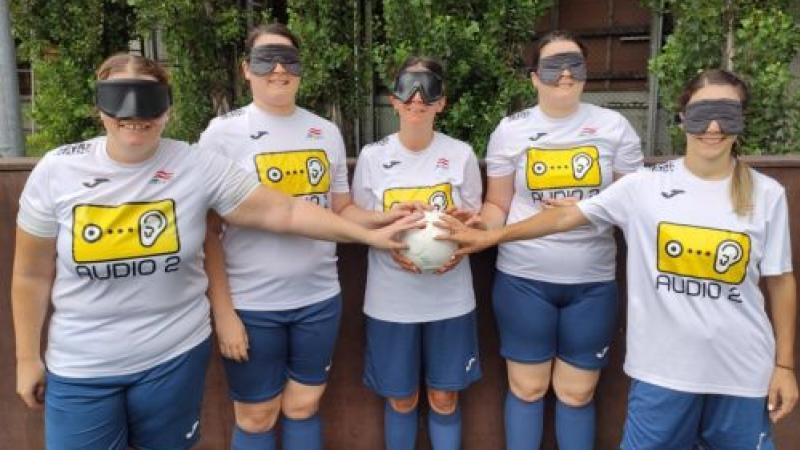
(75, 149)
(518, 116)
(606, 115)
(233, 114)
(766, 185)
(668, 166)
(375, 147)
(516, 119)
(454, 143)
(315, 120)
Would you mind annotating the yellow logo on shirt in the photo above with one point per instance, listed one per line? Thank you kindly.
(439, 196)
(707, 253)
(297, 172)
(130, 230)
(563, 168)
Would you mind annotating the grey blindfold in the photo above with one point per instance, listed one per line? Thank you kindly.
(265, 58)
(550, 68)
(727, 113)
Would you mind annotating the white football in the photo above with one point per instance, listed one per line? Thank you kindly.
(423, 250)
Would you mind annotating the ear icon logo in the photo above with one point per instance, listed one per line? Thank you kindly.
(316, 170)
(151, 225)
(728, 254)
(438, 200)
(295, 172)
(581, 163)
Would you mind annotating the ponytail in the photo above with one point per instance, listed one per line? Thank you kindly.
(741, 188)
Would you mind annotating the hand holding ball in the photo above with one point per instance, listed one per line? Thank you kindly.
(424, 250)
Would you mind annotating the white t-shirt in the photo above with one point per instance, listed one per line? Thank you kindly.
(554, 158)
(129, 291)
(696, 319)
(444, 174)
(302, 155)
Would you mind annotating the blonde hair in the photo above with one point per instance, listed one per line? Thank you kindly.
(741, 187)
(742, 179)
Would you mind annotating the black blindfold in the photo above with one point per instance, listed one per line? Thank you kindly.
(132, 98)
(428, 84)
(551, 67)
(265, 58)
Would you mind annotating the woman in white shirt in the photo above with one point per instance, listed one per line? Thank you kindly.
(708, 368)
(110, 231)
(555, 299)
(418, 321)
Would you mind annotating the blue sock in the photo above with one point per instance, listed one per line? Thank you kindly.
(445, 430)
(575, 426)
(243, 440)
(302, 434)
(523, 423)
(399, 429)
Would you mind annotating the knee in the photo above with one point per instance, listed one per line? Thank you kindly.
(404, 404)
(529, 390)
(257, 417)
(300, 406)
(443, 402)
(575, 396)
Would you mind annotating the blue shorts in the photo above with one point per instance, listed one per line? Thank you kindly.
(398, 353)
(295, 343)
(664, 419)
(158, 408)
(539, 321)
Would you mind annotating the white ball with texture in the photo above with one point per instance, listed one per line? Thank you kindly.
(423, 249)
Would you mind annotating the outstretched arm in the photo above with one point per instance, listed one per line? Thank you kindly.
(274, 211)
(547, 221)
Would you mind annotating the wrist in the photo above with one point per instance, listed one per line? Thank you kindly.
(496, 235)
(789, 367)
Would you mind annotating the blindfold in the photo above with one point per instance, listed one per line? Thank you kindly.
(551, 67)
(265, 58)
(727, 113)
(428, 84)
(132, 98)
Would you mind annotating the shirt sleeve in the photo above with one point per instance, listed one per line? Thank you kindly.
(227, 184)
(362, 189)
(472, 185)
(37, 212)
(613, 205)
(628, 155)
(339, 182)
(777, 258)
(499, 159)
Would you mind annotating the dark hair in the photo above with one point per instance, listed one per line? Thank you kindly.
(273, 28)
(714, 76)
(742, 180)
(431, 64)
(126, 62)
(555, 36)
